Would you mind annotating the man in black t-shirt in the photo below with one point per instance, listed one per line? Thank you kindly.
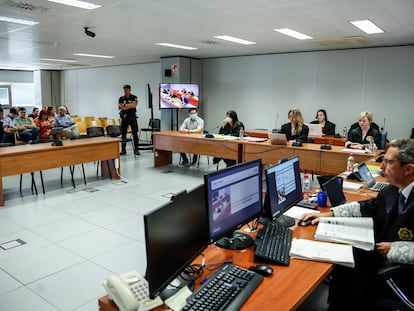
(127, 106)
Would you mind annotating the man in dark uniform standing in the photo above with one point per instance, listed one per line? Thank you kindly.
(127, 106)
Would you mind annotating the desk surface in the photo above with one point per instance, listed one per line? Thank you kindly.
(37, 157)
(311, 157)
(286, 289)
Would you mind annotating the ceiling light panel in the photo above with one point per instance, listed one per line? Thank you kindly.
(367, 26)
(78, 4)
(176, 46)
(93, 55)
(293, 33)
(235, 40)
(17, 21)
(59, 60)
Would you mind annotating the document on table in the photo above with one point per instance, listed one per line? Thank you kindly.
(340, 254)
(297, 211)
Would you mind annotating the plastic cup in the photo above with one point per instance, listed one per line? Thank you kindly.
(322, 198)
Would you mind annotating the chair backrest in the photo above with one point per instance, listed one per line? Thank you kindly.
(155, 124)
(95, 131)
(81, 127)
(113, 130)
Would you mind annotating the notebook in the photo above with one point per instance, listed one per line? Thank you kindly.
(333, 188)
(315, 129)
(369, 179)
(277, 138)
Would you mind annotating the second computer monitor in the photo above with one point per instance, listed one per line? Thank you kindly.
(234, 197)
(284, 187)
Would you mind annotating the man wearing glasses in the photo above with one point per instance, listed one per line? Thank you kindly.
(393, 215)
(26, 128)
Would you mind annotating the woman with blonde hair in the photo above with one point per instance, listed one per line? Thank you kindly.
(296, 128)
(361, 135)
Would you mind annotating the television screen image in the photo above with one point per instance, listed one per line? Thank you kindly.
(179, 95)
(234, 198)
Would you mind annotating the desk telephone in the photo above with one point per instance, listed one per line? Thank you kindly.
(129, 291)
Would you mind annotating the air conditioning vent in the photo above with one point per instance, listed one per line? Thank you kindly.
(344, 41)
(26, 6)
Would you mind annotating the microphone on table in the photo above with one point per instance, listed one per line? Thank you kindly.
(208, 135)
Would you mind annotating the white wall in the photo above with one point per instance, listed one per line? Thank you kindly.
(344, 82)
(95, 91)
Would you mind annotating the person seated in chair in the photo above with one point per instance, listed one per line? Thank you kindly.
(361, 136)
(62, 119)
(26, 128)
(296, 128)
(44, 124)
(192, 124)
(9, 129)
(230, 126)
(393, 215)
(328, 128)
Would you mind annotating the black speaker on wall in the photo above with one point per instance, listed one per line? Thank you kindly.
(167, 72)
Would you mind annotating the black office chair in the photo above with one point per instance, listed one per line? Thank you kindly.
(154, 125)
(115, 131)
(403, 300)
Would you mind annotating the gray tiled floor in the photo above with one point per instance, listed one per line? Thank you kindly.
(76, 237)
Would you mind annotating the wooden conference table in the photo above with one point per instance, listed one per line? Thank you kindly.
(31, 158)
(285, 289)
(311, 157)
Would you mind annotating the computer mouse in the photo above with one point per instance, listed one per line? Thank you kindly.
(307, 222)
(262, 270)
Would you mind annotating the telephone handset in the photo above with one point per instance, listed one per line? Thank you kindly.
(130, 292)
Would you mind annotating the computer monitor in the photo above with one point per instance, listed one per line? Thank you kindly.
(175, 234)
(234, 197)
(284, 189)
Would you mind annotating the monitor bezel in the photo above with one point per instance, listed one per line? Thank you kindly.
(269, 211)
(155, 290)
(235, 226)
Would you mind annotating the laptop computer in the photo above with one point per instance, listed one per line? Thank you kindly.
(315, 129)
(369, 180)
(277, 138)
(56, 131)
(333, 188)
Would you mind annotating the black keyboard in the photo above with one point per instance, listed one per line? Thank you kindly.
(227, 289)
(273, 244)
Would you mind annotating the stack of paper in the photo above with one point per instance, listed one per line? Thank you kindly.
(320, 251)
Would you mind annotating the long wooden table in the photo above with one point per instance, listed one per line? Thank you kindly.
(31, 158)
(311, 157)
(288, 286)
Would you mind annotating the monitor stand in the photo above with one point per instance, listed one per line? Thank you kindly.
(285, 221)
(238, 240)
(175, 285)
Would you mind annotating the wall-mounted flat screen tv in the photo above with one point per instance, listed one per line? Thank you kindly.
(179, 95)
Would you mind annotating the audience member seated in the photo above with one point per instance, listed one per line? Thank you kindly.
(26, 128)
(192, 124)
(328, 128)
(52, 113)
(360, 137)
(35, 114)
(296, 128)
(8, 126)
(44, 124)
(69, 125)
(229, 126)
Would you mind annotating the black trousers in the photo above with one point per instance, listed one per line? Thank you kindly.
(132, 122)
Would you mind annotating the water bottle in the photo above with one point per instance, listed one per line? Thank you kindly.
(241, 132)
(350, 163)
(306, 187)
(345, 132)
(371, 145)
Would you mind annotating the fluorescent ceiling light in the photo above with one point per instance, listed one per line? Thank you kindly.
(18, 21)
(59, 60)
(93, 55)
(78, 4)
(177, 46)
(293, 33)
(234, 39)
(367, 26)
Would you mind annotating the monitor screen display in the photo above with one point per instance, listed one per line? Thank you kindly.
(284, 187)
(234, 197)
(175, 234)
(179, 95)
